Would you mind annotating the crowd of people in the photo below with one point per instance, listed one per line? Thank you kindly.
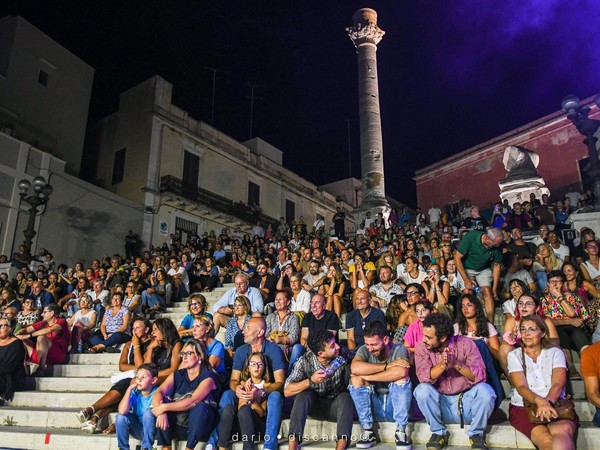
(342, 326)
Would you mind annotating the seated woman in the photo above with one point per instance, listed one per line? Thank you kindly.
(251, 414)
(517, 288)
(27, 316)
(12, 357)
(545, 262)
(164, 348)
(242, 312)
(538, 372)
(209, 275)
(132, 299)
(569, 316)
(197, 308)
(414, 333)
(473, 323)
(132, 356)
(333, 289)
(8, 298)
(438, 290)
(52, 343)
(590, 268)
(82, 323)
(204, 331)
(414, 293)
(158, 295)
(114, 329)
(283, 328)
(528, 305)
(392, 315)
(582, 289)
(193, 389)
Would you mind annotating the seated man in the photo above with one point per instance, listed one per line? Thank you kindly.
(451, 373)
(319, 380)
(357, 319)
(379, 385)
(318, 318)
(255, 341)
(590, 371)
(383, 291)
(181, 279)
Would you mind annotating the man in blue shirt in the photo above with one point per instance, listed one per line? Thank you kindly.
(358, 318)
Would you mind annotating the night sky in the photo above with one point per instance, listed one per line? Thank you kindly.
(453, 73)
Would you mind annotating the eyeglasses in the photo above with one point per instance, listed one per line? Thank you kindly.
(130, 286)
(4, 325)
(255, 364)
(433, 271)
(194, 304)
(524, 330)
(525, 304)
(43, 312)
(411, 293)
(591, 246)
(555, 281)
(186, 354)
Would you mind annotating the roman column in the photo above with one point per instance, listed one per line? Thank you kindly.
(365, 34)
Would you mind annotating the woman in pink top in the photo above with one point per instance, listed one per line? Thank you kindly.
(414, 333)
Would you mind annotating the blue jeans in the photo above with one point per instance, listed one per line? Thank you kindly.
(439, 409)
(202, 419)
(274, 407)
(596, 419)
(113, 339)
(143, 430)
(297, 351)
(152, 300)
(391, 407)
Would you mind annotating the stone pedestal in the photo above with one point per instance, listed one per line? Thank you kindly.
(519, 190)
(586, 219)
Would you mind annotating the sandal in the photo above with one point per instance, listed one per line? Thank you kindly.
(110, 430)
(83, 415)
(89, 426)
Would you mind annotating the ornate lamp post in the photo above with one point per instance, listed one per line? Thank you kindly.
(36, 197)
(587, 127)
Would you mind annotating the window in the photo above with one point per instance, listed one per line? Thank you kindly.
(43, 78)
(191, 171)
(253, 194)
(290, 211)
(118, 167)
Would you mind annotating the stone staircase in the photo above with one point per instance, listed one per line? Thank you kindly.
(44, 416)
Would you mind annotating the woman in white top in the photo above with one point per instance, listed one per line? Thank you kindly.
(591, 268)
(82, 323)
(300, 297)
(544, 384)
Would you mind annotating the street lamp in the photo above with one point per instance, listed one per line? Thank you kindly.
(36, 197)
(587, 127)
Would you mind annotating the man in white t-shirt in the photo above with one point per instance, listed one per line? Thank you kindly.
(434, 214)
(560, 250)
(180, 278)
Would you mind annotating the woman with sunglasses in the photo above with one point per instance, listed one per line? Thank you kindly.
(197, 308)
(12, 355)
(193, 389)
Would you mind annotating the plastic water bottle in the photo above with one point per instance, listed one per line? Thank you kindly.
(334, 365)
(80, 346)
(477, 290)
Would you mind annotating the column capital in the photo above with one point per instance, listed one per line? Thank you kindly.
(364, 28)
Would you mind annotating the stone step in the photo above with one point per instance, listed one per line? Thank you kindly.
(94, 359)
(498, 436)
(64, 399)
(83, 370)
(58, 411)
(69, 384)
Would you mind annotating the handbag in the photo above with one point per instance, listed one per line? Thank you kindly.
(564, 407)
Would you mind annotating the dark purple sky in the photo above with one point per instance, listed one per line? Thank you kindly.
(452, 73)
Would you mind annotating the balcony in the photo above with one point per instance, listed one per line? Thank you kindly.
(216, 202)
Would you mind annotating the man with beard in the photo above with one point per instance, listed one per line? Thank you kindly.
(314, 278)
(383, 291)
(265, 282)
(380, 386)
(452, 386)
(319, 381)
